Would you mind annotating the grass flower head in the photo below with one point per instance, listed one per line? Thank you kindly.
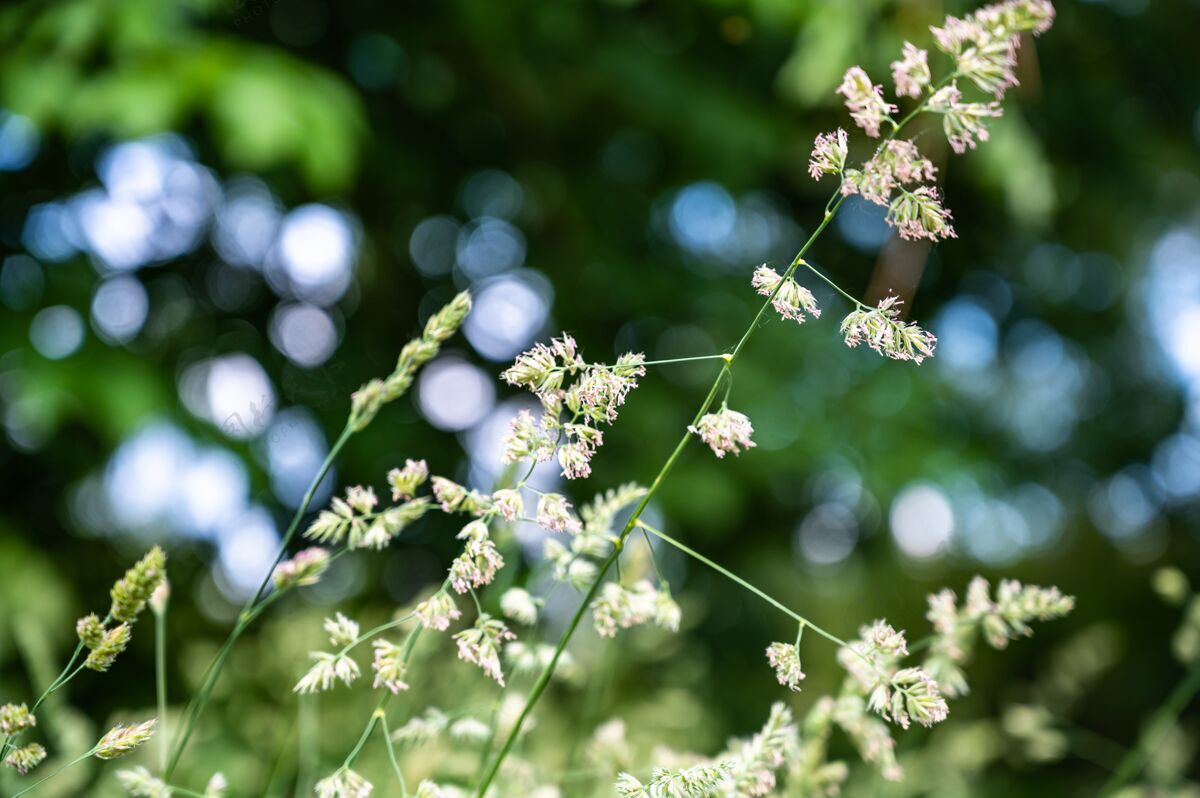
(725, 432)
(864, 100)
(105, 654)
(306, 568)
(121, 740)
(389, 666)
(828, 154)
(133, 590)
(785, 659)
(480, 645)
(345, 783)
(25, 758)
(15, 718)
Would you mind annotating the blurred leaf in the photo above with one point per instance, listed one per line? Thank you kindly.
(144, 67)
(1013, 163)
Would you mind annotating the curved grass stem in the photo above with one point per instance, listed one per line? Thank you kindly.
(308, 748)
(380, 712)
(831, 208)
(391, 750)
(253, 607)
(379, 715)
(804, 622)
(663, 362)
(1160, 725)
(68, 673)
(40, 782)
(682, 360)
(821, 275)
(160, 684)
(543, 679)
(378, 630)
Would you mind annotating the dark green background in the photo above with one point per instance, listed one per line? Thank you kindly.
(602, 111)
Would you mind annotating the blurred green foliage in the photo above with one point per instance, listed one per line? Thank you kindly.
(129, 69)
(601, 111)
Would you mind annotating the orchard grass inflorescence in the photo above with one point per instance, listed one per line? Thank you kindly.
(883, 690)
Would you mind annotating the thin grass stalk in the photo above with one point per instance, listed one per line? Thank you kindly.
(196, 705)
